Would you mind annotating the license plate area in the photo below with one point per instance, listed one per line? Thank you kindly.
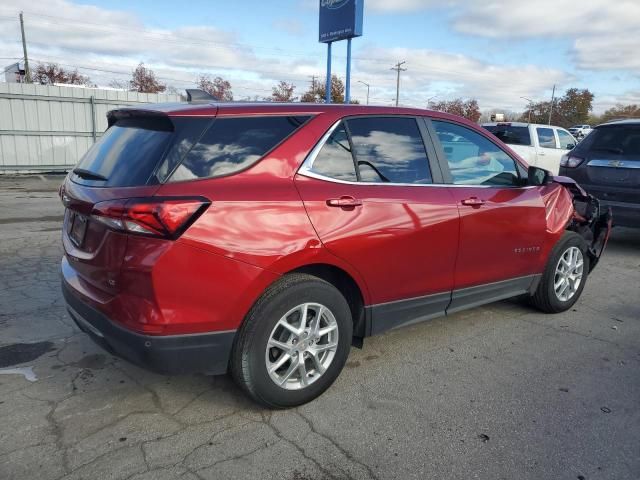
(77, 228)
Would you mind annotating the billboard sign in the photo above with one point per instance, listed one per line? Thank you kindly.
(340, 19)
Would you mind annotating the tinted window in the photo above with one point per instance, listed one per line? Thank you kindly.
(546, 138)
(566, 140)
(334, 159)
(473, 159)
(389, 150)
(620, 140)
(232, 144)
(126, 154)
(510, 134)
(187, 132)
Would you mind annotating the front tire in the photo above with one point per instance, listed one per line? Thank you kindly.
(564, 276)
(293, 343)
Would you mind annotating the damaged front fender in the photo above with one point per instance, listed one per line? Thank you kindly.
(586, 218)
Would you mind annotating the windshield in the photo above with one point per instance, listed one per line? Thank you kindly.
(621, 140)
(511, 134)
(126, 154)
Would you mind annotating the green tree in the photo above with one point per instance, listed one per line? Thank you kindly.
(316, 93)
(620, 112)
(574, 107)
(283, 92)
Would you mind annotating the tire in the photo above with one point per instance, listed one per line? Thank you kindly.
(281, 303)
(546, 298)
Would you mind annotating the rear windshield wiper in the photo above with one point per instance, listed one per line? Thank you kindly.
(89, 175)
(619, 151)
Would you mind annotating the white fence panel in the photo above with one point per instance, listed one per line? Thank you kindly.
(47, 128)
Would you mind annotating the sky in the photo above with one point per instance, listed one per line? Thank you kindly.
(496, 51)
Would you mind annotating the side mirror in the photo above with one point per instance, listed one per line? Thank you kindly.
(538, 176)
(570, 146)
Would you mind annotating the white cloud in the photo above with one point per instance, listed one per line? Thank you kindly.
(449, 75)
(603, 32)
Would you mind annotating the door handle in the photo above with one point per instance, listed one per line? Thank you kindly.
(473, 202)
(344, 202)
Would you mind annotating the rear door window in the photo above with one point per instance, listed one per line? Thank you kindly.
(546, 138)
(510, 134)
(234, 144)
(126, 154)
(389, 150)
(334, 159)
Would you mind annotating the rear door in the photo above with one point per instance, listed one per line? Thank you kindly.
(370, 190)
(547, 150)
(502, 222)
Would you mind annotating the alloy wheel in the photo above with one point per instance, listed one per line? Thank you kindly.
(569, 273)
(302, 346)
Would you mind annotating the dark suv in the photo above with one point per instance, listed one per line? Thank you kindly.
(607, 165)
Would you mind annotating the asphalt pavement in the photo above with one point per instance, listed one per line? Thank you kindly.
(497, 392)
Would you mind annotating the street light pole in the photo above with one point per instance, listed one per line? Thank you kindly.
(530, 104)
(365, 83)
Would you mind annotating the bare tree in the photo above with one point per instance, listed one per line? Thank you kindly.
(218, 87)
(465, 108)
(50, 73)
(144, 80)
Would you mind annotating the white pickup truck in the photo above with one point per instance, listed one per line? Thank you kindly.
(539, 145)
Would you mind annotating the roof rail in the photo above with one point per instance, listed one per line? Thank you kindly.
(195, 95)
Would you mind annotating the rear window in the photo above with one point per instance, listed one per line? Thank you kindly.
(126, 154)
(510, 134)
(233, 144)
(619, 140)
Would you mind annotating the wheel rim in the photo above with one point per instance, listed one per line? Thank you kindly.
(569, 273)
(302, 346)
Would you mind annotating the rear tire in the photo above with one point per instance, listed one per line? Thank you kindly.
(564, 276)
(281, 362)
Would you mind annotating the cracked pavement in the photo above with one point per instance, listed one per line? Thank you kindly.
(498, 392)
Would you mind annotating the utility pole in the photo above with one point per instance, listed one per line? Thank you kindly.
(553, 97)
(27, 72)
(398, 68)
(365, 83)
(313, 83)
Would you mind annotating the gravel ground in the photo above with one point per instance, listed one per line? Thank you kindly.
(498, 392)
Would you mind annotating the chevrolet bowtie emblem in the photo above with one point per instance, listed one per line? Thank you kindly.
(615, 163)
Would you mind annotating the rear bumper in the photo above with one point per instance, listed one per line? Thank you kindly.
(172, 354)
(624, 214)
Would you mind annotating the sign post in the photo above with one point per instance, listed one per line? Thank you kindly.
(340, 20)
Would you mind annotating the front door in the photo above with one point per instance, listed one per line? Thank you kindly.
(370, 194)
(502, 222)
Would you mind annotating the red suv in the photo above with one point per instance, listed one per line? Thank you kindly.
(266, 239)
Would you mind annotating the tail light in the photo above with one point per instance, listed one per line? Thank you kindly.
(160, 217)
(570, 161)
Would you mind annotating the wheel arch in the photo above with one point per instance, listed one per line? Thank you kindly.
(348, 287)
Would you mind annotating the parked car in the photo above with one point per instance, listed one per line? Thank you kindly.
(580, 131)
(266, 239)
(539, 145)
(607, 165)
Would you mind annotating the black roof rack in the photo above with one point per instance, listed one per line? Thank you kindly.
(195, 95)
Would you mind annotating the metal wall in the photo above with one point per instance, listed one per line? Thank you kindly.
(47, 128)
